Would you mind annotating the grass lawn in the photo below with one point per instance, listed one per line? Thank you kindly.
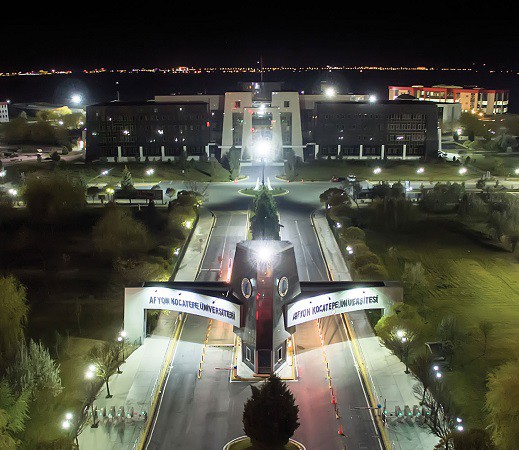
(473, 283)
(323, 170)
(195, 171)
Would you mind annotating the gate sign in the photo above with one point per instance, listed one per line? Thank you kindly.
(342, 302)
(139, 299)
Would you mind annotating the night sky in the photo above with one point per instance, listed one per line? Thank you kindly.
(147, 34)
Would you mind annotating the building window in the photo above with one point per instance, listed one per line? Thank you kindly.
(287, 104)
(280, 353)
(237, 104)
(248, 354)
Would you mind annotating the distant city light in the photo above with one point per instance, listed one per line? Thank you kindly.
(462, 171)
(420, 170)
(150, 172)
(516, 171)
(377, 170)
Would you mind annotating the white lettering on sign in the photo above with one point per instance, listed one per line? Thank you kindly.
(186, 301)
(335, 303)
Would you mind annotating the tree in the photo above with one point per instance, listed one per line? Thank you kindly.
(171, 192)
(421, 368)
(117, 233)
(473, 439)
(264, 224)
(290, 164)
(13, 304)
(34, 371)
(270, 416)
(502, 404)
(126, 180)
(106, 358)
(93, 191)
(54, 197)
(485, 327)
(234, 162)
(13, 415)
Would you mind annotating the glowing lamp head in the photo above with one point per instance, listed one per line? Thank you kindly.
(76, 99)
(264, 254)
(263, 148)
(329, 92)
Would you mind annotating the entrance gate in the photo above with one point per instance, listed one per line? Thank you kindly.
(264, 301)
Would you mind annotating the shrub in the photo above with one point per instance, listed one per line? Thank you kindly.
(364, 259)
(372, 272)
(353, 234)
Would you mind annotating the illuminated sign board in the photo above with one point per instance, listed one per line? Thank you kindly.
(183, 301)
(340, 302)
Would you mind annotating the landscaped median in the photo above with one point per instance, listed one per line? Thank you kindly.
(244, 443)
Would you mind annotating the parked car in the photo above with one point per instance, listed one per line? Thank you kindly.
(337, 179)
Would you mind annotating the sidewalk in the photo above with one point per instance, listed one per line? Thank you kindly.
(142, 372)
(382, 371)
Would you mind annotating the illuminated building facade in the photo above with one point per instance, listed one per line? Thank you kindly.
(257, 116)
(472, 99)
(4, 112)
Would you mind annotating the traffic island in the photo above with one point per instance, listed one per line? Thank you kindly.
(244, 443)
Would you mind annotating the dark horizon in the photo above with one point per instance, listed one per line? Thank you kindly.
(133, 36)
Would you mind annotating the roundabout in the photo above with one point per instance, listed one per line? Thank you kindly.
(244, 443)
(251, 192)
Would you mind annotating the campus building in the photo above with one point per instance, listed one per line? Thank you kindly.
(4, 112)
(472, 99)
(264, 122)
(140, 131)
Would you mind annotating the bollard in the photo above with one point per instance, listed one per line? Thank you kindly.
(340, 432)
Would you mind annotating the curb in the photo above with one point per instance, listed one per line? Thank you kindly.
(180, 326)
(360, 361)
(153, 407)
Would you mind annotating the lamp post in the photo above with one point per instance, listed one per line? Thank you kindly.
(91, 375)
(121, 338)
(404, 348)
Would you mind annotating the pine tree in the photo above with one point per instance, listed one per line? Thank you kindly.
(270, 416)
(126, 180)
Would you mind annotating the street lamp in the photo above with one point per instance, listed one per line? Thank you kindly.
(329, 92)
(66, 423)
(377, 170)
(121, 338)
(405, 341)
(420, 170)
(150, 172)
(91, 375)
(462, 171)
(76, 99)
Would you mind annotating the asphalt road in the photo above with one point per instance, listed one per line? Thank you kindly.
(206, 413)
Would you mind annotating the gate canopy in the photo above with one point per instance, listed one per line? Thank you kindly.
(342, 297)
(138, 299)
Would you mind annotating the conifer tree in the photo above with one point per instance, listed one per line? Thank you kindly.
(270, 416)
